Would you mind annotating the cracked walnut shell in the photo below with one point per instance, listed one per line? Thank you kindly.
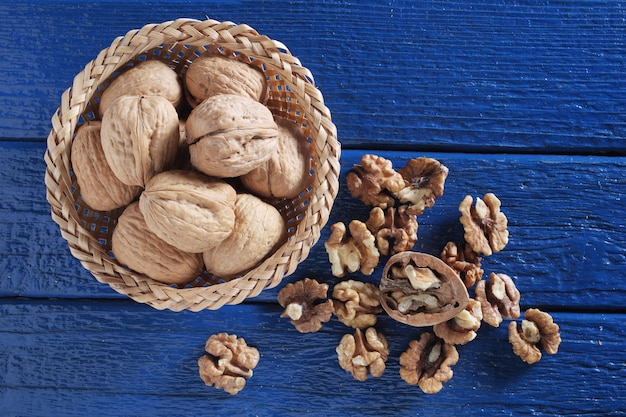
(136, 247)
(421, 290)
(349, 253)
(356, 303)
(537, 329)
(374, 181)
(229, 363)
(498, 297)
(427, 362)
(189, 210)
(230, 135)
(361, 353)
(140, 136)
(484, 224)
(425, 179)
(302, 301)
(211, 75)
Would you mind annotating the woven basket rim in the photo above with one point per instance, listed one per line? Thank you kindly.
(69, 115)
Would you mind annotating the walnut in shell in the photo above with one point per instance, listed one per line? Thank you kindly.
(140, 136)
(230, 135)
(210, 75)
(99, 187)
(286, 173)
(136, 247)
(259, 229)
(149, 78)
(189, 210)
(421, 290)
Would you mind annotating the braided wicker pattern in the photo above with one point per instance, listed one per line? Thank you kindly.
(292, 95)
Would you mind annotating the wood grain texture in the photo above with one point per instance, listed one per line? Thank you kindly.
(432, 75)
(566, 217)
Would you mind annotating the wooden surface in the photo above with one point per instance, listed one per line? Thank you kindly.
(523, 99)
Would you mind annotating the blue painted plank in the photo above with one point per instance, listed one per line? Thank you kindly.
(113, 358)
(566, 219)
(431, 75)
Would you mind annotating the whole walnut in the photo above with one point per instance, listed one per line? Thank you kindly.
(149, 78)
(286, 173)
(189, 210)
(99, 187)
(230, 135)
(210, 75)
(140, 136)
(136, 247)
(259, 228)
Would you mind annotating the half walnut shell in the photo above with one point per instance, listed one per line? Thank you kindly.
(421, 290)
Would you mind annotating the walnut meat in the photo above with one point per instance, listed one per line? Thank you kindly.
(427, 362)
(149, 78)
(461, 329)
(136, 247)
(484, 224)
(230, 135)
(356, 303)
(351, 252)
(258, 230)
(99, 187)
(537, 329)
(393, 225)
(229, 363)
(189, 210)
(286, 173)
(304, 304)
(140, 136)
(360, 354)
(498, 297)
(464, 261)
(211, 75)
(425, 179)
(421, 290)
(375, 181)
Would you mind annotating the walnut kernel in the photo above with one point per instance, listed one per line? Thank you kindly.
(484, 224)
(425, 179)
(464, 261)
(356, 303)
(461, 329)
(374, 181)
(349, 253)
(361, 353)
(301, 301)
(537, 329)
(498, 297)
(395, 225)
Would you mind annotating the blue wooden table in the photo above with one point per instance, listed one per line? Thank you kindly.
(523, 99)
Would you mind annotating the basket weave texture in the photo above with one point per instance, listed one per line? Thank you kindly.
(292, 94)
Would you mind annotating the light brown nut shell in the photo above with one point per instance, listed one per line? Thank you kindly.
(149, 78)
(189, 210)
(287, 172)
(230, 135)
(136, 247)
(99, 187)
(452, 293)
(211, 75)
(140, 137)
(259, 229)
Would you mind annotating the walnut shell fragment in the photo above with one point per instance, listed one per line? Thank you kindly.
(356, 303)
(537, 329)
(421, 290)
(230, 135)
(484, 224)
(304, 305)
(427, 362)
(229, 362)
(425, 179)
(136, 247)
(351, 252)
(363, 353)
(189, 210)
(99, 187)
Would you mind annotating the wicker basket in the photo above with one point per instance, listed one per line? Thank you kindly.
(292, 95)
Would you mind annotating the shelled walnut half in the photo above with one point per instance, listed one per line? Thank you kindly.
(361, 353)
(304, 304)
(356, 303)
(484, 224)
(537, 329)
(425, 179)
(498, 297)
(351, 252)
(393, 225)
(464, 261)
(421, 290)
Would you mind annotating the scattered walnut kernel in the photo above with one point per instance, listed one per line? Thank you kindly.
(374, 181)
(462, 328)
(499, 297)
(425, 179)
(537, 328)
(395, 225)
(356, 303)
(427, 363)
(228, 363)
(464, 261)
(351, 253)
(301, 303)
(484, 224)
(360, 353)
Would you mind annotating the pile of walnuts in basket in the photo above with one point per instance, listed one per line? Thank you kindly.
(193, 191)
